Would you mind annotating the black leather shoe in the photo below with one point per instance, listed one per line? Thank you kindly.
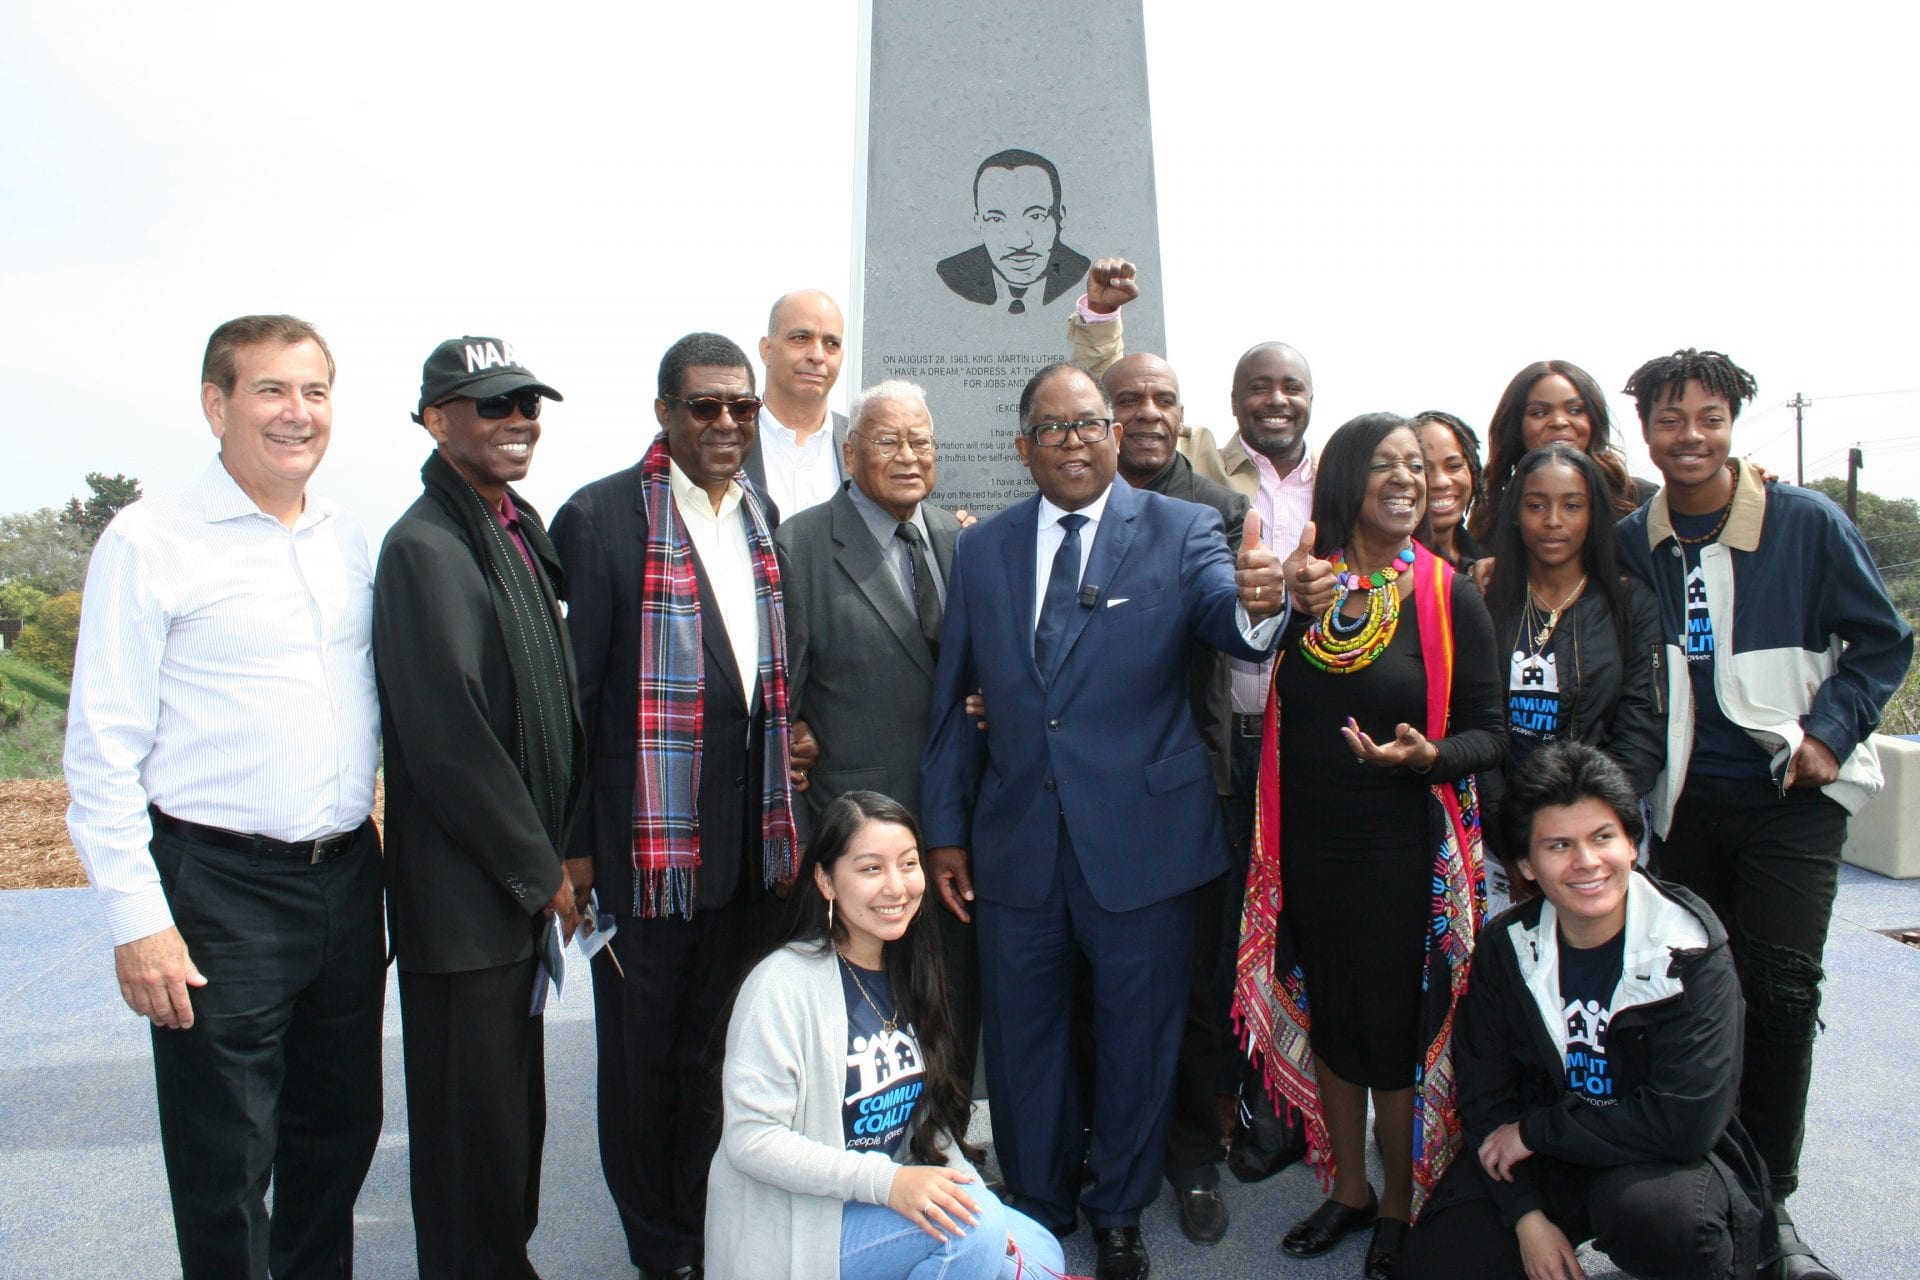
(1797, 1260)
(1387, 1251)
(1122, 1254)
(1203, 1213)
(1322, 1229)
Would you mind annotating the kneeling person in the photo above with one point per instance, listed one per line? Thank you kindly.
(1617, 1125)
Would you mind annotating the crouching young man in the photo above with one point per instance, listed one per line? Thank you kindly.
(1599, 1057)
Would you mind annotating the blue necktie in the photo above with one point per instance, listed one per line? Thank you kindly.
(1063, 592)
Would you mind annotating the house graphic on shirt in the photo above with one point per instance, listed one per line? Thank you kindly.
(878, 1059)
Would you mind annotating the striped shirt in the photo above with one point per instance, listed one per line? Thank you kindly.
(225, 675)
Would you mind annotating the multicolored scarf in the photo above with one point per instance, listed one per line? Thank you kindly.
(666, 818)
(1270, 1007)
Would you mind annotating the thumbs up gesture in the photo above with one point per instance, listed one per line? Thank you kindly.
(1263, 586)
(1309, 578)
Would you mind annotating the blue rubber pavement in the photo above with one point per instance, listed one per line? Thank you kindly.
(82, 1191)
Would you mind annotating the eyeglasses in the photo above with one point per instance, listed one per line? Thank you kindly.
(705, 409)
(890, 446)
(1051, 435)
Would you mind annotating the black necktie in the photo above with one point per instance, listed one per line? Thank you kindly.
(1063, 592)
(1017, 306)
(926, 600)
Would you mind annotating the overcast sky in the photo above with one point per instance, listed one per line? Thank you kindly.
(1422, 198)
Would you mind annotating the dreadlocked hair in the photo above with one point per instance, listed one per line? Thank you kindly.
(1665, 377)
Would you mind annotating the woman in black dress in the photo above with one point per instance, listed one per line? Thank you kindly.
(1366, 886)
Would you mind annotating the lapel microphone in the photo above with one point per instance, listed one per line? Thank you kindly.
(1089, 596)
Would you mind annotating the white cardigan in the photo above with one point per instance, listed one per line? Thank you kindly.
(783, 1171)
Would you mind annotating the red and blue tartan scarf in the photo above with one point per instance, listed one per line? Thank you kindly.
(1271, 1003)
(666, 795)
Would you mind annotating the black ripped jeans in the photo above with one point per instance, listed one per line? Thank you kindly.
(1768, 865)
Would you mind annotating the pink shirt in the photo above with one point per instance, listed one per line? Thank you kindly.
(1285, 504)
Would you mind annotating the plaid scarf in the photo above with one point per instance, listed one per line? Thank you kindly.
(1270, 1006)
(667, 745)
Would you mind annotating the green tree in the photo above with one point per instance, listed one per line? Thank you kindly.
(49, 642)
(110, 493)
(39, 548)
(21, 599)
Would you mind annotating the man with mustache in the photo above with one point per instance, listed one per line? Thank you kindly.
(1019, 263)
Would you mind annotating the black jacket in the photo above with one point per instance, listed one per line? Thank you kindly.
(1674, 1049)
(1618, 706)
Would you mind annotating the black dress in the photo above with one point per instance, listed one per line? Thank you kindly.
(1356, 841)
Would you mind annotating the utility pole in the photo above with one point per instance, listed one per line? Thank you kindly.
(1854, 463)
(1799, 404)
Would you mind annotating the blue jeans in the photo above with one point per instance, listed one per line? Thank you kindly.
(878, 1244)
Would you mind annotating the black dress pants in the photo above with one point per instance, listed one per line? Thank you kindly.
(660, 1041)
(277, 1083)
(1769, 866)
(476, 1119)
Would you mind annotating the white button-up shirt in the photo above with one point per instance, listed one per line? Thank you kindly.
(224, 674)
(798, 475)
(719, 534)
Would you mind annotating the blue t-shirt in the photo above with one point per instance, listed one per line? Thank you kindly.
(1721, 748)
(1588, 979)
(884, 1073)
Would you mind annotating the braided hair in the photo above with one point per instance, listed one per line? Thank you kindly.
(1666, 377)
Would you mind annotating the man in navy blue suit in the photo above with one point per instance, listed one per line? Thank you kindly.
(1088, 818)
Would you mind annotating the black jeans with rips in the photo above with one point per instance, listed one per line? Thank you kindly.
(1768, 864)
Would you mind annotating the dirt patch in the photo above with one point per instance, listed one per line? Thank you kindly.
(34, 850)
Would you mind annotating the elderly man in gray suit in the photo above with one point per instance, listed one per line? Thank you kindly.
(864, 578)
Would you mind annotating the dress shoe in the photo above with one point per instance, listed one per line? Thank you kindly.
(1120, 1254)
(1797, 1260)
(1203, 1213)
(1322, 1229)
(1387, 1251)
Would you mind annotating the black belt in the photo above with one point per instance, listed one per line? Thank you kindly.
(322, 850)
(1245, 726)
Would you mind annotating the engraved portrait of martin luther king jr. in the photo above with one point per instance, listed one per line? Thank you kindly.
(1020, 262)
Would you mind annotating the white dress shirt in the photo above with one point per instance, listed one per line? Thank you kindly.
(224, 674)
(719, 534)
(798, 475)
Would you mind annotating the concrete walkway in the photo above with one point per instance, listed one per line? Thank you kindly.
(82, 1191)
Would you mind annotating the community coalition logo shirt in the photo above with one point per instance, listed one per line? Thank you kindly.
(884, 1073)
(1533, 699)
(1588, 980)
(1721, 749)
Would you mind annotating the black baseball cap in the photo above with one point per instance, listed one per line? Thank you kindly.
(475, 368)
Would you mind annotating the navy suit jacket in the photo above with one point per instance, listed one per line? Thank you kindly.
(1108, 743)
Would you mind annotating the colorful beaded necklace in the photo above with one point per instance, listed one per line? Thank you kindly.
(1343, 645)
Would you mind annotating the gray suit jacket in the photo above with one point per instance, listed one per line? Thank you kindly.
(861, 673)
(755, 467)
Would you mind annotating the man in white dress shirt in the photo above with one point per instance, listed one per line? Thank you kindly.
(797, 462)
(221, 744)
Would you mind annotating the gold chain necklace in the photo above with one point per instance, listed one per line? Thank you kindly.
(888, 1025)
(1545, 631)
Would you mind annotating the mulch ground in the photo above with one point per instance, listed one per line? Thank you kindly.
(34, 850)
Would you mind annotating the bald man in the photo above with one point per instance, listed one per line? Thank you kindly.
(797, 462)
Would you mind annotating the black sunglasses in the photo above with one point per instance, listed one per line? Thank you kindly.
(496, 407)
(705, 409)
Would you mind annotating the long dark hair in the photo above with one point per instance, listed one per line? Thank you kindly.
(1469, 442)
(1506, 443)
(913, 966)
(1507, 593)
(1340, 482)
